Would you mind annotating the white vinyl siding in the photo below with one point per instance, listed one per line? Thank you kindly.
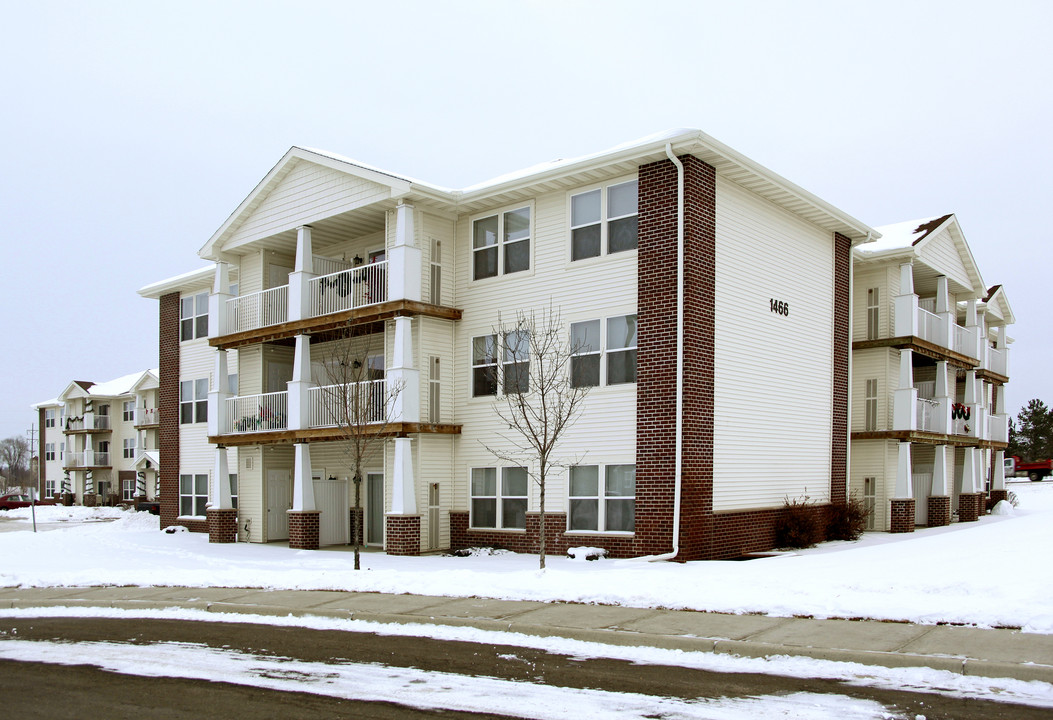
(870, 364)
(942, 252)
(772, 385)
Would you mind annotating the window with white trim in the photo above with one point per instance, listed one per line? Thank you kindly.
(234, 490)
(127, 489)
(515, 369)
(128, 411)
(499, 504)
(49, 417)
(511, 372)
(873, 313)
(501, 243)
(484, 365)
(193, 495)
(870, 402)
(129, 449)
(602, 498)
(193, 316)
(587, 366)
(49, 451)
(604, 220)
(193, 401)
(49, 488)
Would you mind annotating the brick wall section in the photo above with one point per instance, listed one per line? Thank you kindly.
(168, 403)
(41, 463)
(938, 512)
(402, 534)
(969, 505)
(902, 515)
(999, 495)
(556, 542)
(304, 529)
(841, 349)
(222, 525)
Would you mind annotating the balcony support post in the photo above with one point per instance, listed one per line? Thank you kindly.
(404, 258)
(906, 303)
(905, 399)
(904, 474)
(404, 497)
(946, 311)
(403, 380)
(303, 484)
(300, 385)
(974, 403)
(939, 471)
(221, 499)
(217, 301)
(969, 472)
(998, 470)
(217, 396)
(299, 296)
(944, 396)
(1003, 347)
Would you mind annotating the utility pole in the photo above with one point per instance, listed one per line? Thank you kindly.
(35, 490)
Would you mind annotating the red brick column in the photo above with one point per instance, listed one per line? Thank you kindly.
(402, 535)
(168, 407)
(90, 500)
(969, 507)
(222, 525)
(459, 530)
(998, 496)
(841, 350)
(902, 516)
(304, 529)
(938, 512)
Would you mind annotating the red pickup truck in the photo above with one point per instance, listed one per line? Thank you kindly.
(15, 500)
(1035, 471)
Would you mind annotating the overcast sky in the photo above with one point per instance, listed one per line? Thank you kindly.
(132, 130)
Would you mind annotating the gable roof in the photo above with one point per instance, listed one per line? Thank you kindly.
(124, 385)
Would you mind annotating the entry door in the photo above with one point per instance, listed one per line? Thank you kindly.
(279, 501)
(374, 509)
(330, 496)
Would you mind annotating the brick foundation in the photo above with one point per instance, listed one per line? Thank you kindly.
(402, 534)
(901, 515)
(969, 505)
(222, 525)
(938, 512)
(168, 401)
(557, 539)
(90, 500)
(304, 529)
(998, 496)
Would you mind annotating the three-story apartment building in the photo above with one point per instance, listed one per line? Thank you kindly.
(930, 364)
(709, 299)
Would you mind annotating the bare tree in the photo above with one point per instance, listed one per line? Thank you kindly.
(542, 395)
(15, 452)
(359, 402)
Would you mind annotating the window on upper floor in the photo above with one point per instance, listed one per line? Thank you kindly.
(587, 366)
(128, 411)
(506, 366)
(603, 220)
(607, 506)
(49, 417)
(49, 451)
(193, 401)
(129, 449)
(193, 316)
(499, 504)
(501, 243)
(870, 406)
(873, 313)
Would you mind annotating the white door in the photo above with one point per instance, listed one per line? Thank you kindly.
(922, 489)
(279, 501)
(374, 510)
(330, 496)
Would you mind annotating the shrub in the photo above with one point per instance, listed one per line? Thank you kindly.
(800, 525)
(847, 520)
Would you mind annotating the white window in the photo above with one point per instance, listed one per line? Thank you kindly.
(128, 412)
(499, 505)
(434, 390)
(603, 221)
(193, 401)
(232, 383)
(234, 489)
(129, 448)
(62, 451)
(587, 344)
(501, 243)
(513, 369)
(870, 499)
(49, 417)
(128, 489)
(193, 495)
(193, 316)
(873, 313)
(602, 499)
(870, 400)
(49, 488)
(49, 451)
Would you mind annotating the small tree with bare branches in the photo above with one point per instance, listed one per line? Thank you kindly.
(359, 402)
(539, 400)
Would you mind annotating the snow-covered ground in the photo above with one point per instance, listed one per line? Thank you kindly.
(990, 573)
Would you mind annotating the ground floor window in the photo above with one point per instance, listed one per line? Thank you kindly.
(49, 488)
(234, 490)
(603, 498)
(193, 494)
(499, 505)
(128, 489)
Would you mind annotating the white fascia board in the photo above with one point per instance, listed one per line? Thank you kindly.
(178, 282)
(53, 402)
(954, 229)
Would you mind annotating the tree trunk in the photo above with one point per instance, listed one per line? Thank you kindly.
(541, 533)
(357, 515)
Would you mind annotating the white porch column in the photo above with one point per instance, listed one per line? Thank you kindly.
(975, 344)
(404, 258)
(939, 471)
(944, 396)
(998, 471)
(947, 312)
(905, 400)
(1003, 346)
(404, 497)
(300, 385)
(401, 374)
(969, 472)
(904, 475)
(906, 303)
(217, 396)
(303, 484)
(220, 499)
(299, 297)
(974, 402)
(217, 301)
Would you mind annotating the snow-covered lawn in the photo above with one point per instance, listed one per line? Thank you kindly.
(994, 572)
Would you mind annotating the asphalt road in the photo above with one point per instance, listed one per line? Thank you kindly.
(43, 690)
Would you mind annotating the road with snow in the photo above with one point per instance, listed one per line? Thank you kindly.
(107, 668)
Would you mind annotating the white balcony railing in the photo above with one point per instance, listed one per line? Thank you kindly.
(85, 459)
(90, 422)
(348, 289)
(996, 361)
(257, 413)
(930, 326)
(364, 403)
(146, 416)
(926, 388)
(964, 341)
(928, 415)
(998, 428)
(327, 266)
(256, 310)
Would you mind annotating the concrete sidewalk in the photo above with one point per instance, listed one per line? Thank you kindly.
(968, 651)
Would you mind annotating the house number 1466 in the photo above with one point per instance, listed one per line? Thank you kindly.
(780, 307)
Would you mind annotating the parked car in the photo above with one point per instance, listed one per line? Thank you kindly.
(150, 506)
(15, 500)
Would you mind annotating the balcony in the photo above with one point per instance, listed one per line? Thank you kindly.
(87, 424)
(348, 289)
(255, 310)
(265, 412)
(367, 403)
(997, 362)
(86, 459)
(928, 415)
(146, 417)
